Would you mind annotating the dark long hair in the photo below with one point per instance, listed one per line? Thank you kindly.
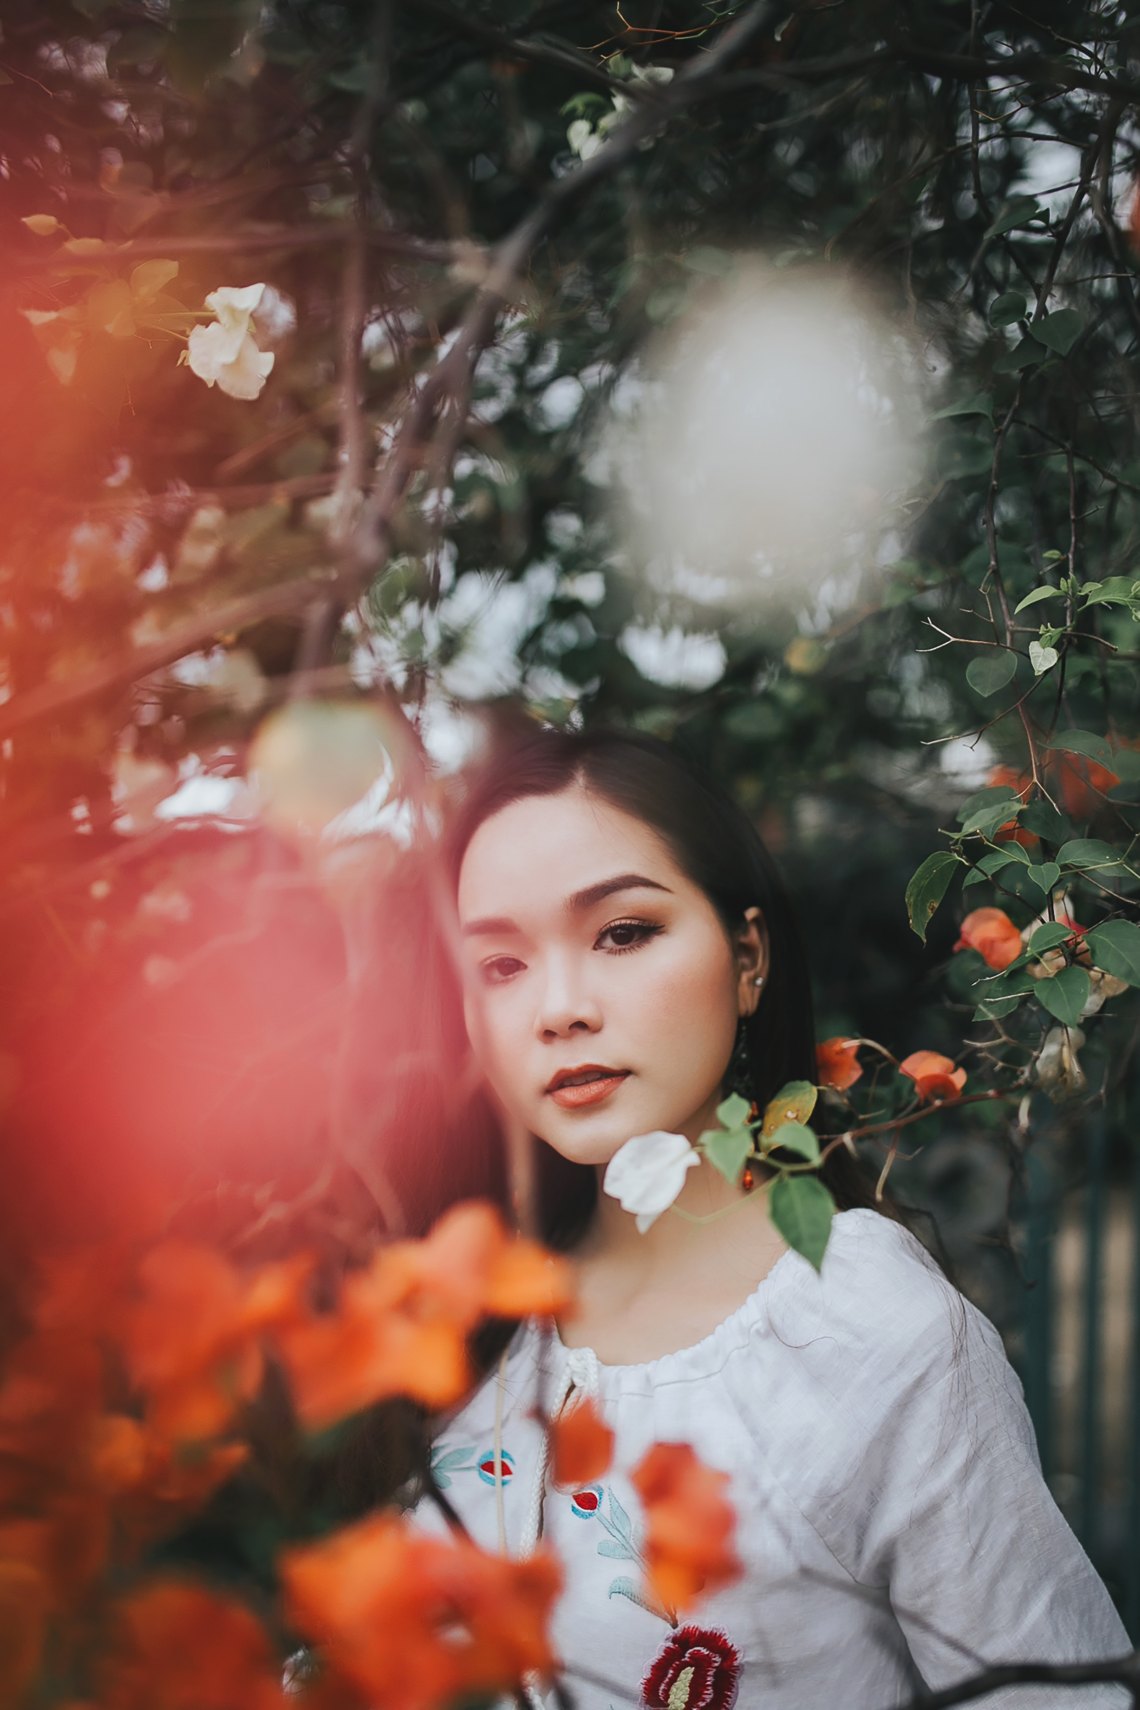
(716, 845)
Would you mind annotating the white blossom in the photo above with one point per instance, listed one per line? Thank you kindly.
(226, 353)
(583, 139)
(648, 1172)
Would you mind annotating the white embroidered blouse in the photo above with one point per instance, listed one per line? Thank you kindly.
(892, 1519)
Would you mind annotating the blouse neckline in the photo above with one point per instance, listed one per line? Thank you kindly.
(705, 1356)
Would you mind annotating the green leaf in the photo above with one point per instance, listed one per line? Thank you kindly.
(732, 1112)
(993, 1009)
(1085, 742)
(1023, 355)
(1113, 591)
(797, 1137)
(1058, 332)
(802, 1208)
(1065, 995)
(1090, 854)
(928, 885)
(1115, 948)
(1007, 308)
(1016, 213)
(1042, 658)
(977, 404)
(1043, 820)
(1122, 761)
(1049, 936)
(984, 798)
(991, 671)
(1044, 875)
(995, 861)
(726, 1150)
(1046, 593)
(987, 820)
(794, 1102)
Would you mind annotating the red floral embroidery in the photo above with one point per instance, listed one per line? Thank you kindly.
(697, 1670)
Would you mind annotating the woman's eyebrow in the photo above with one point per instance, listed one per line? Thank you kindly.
(578, 903)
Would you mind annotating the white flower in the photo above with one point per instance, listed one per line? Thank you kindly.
(274, 318)
(225, 353)
(648, 1172)
(583, 139)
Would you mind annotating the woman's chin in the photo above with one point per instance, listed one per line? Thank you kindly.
(593, 1142)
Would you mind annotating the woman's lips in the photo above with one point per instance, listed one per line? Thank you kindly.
(586, 1092)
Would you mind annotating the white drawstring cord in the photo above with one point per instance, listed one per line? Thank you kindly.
(500, 1512)
(580, 1372)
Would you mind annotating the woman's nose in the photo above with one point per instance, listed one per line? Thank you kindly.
(565, 1006)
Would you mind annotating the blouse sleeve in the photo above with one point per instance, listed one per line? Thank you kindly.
(938, 1493)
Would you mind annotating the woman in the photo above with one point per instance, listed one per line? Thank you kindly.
(629, 958)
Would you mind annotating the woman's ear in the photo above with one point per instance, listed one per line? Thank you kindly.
(751, 946)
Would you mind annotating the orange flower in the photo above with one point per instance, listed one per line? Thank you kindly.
(151, 1481)
(934, 1076)
(1011, 831)
(690, 1524)
(993, 935)
(1081, 783)
(180, 1646)
(192, 1341)
(837, 1063)
(413, 1622)
(582, 1445)
(402, 1322)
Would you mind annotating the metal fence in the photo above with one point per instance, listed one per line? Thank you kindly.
(1077, 1350)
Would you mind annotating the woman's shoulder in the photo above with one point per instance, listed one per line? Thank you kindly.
(877, 1282)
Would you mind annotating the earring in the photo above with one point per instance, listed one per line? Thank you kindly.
(759, 980)
(739, 1076)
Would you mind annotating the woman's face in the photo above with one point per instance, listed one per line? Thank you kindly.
(590, 950)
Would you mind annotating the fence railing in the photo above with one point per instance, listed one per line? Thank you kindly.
(1079, 1354)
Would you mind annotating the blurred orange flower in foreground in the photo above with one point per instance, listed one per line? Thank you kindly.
(690, 1524)
(582, 1445)
(837, 1063)
(993, 935)
(414, 1622)
(192, 1339)
(934, 1075)
(402, 1322)
(25, 1604)
(179, 1646)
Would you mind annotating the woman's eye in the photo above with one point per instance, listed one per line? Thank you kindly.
(628, 934)
(498, 969)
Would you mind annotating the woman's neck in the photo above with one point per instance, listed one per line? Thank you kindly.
(642, 1296)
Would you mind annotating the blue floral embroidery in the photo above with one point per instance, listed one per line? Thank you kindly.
(444, 1462)
(486, 1468)
(587, 1502)
(621, 1542)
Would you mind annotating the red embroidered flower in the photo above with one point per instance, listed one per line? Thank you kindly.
(697, 1670)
